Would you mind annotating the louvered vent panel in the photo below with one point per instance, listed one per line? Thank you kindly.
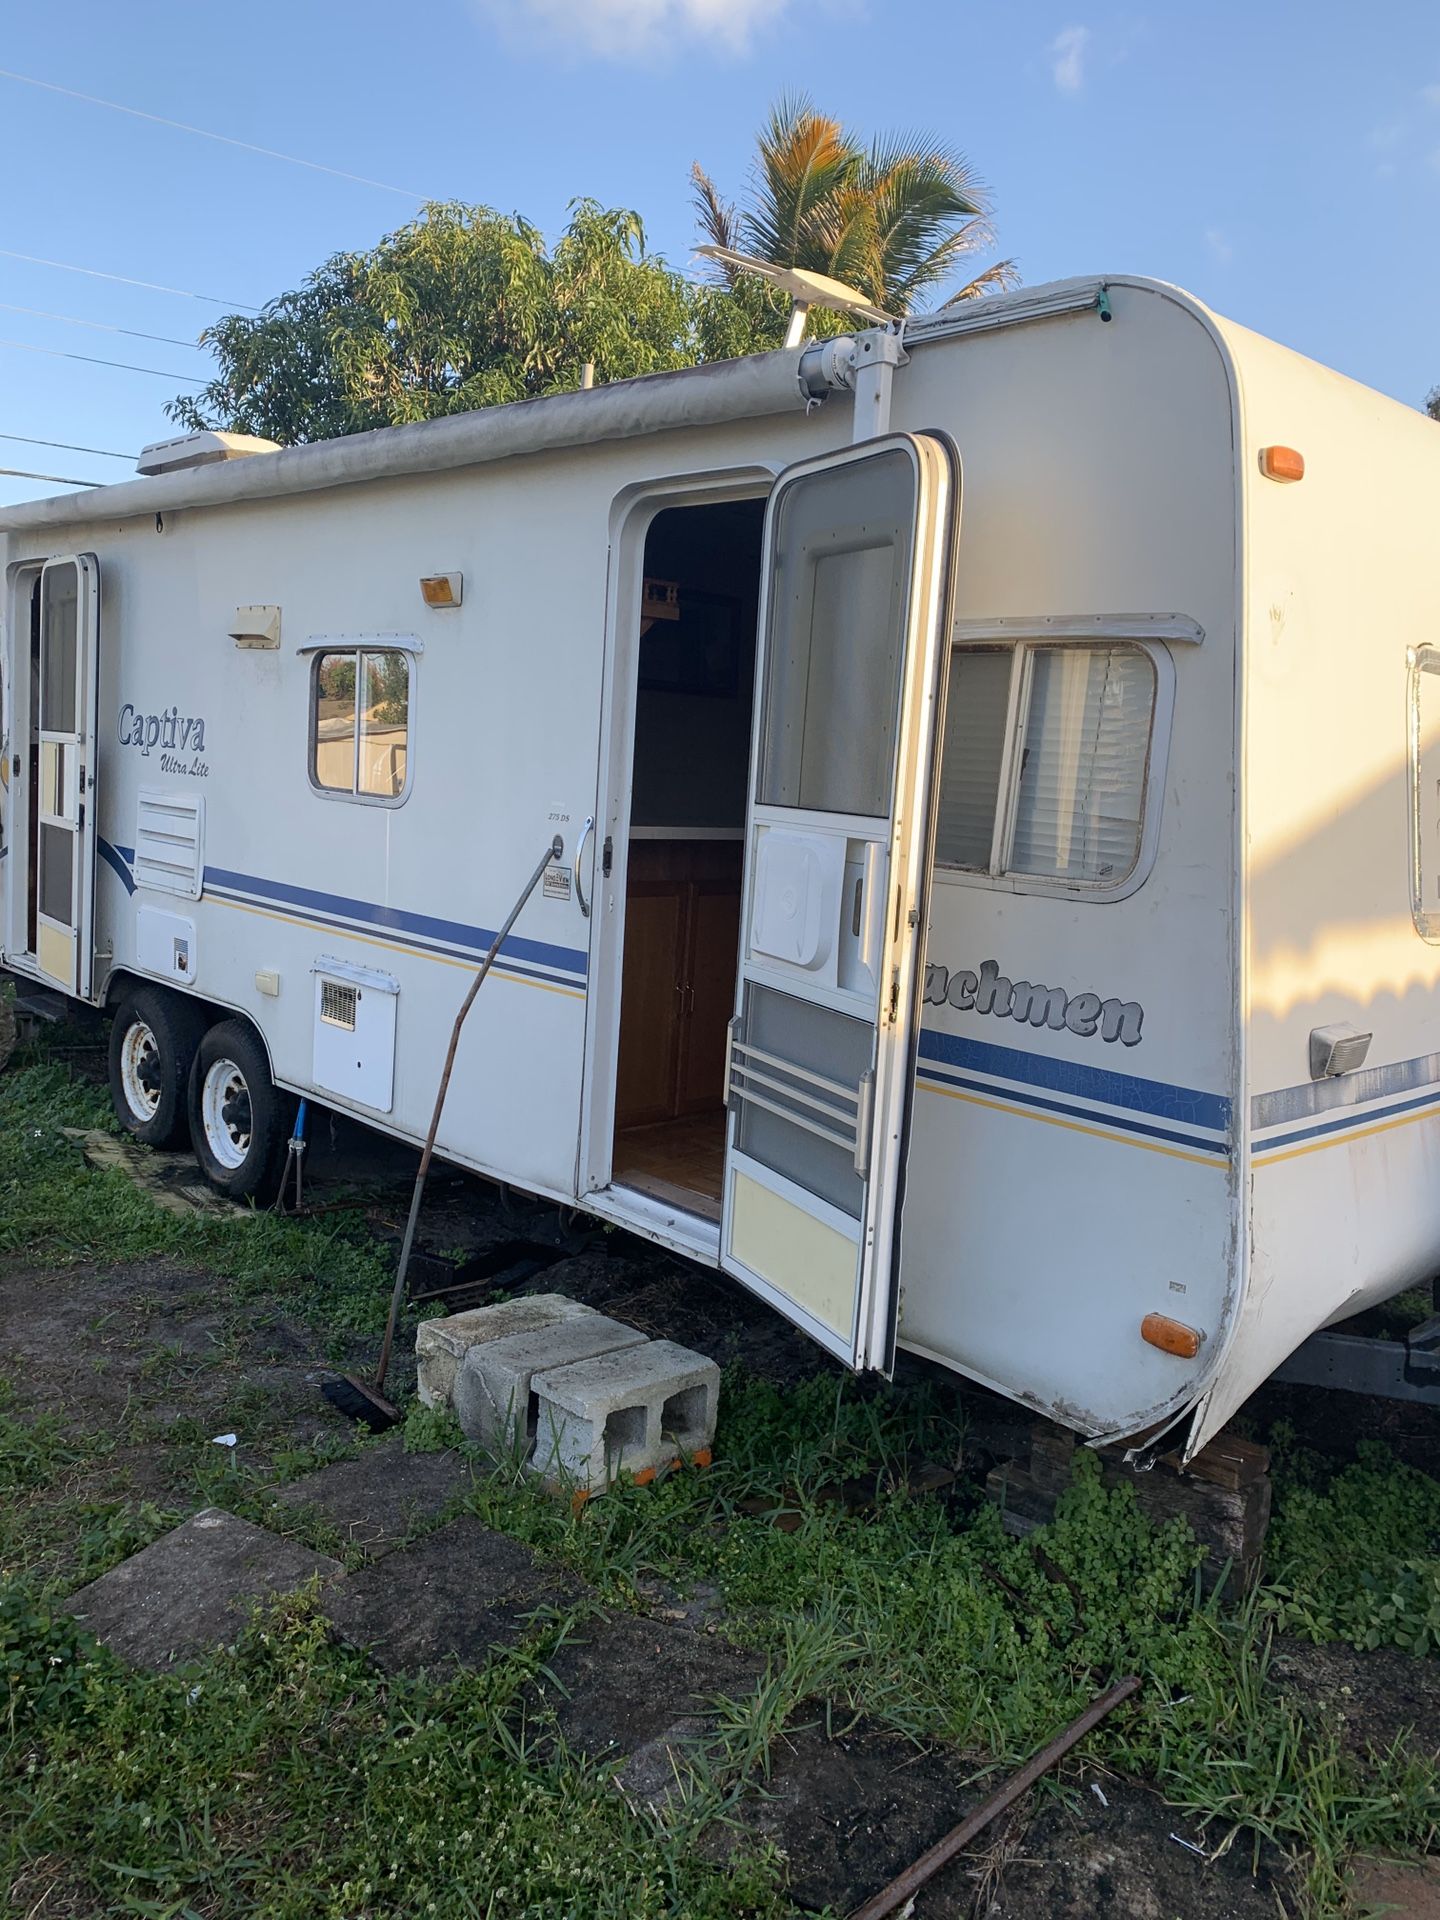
(169, 843)
(337, 1005)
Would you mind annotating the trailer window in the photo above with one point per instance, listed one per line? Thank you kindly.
(360, 723)
(1045, 763)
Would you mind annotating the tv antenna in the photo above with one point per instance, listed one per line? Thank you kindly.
(805, 289)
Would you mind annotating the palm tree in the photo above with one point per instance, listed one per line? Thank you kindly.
(893, 219)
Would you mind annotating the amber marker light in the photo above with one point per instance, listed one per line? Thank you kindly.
(1282, 463)
(441, 589)
(1171, 1336)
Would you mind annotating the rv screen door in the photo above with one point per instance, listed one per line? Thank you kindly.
(858, 550)
(64, 876)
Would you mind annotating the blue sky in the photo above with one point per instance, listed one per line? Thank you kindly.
(1281, 160)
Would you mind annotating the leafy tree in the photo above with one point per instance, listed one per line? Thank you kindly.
(463, 307)
(894, 219)
(1432, 403)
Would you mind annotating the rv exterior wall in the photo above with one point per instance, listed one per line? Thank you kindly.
(1069, 1176)
(1344, 1174)
(502, 752)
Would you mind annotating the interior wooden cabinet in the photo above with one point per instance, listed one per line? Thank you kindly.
(682, 929)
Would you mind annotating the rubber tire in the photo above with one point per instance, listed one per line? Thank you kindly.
(178, 1026)
(258, 1175)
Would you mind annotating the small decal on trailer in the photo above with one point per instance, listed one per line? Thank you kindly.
(1083, 1014)
(556, 884)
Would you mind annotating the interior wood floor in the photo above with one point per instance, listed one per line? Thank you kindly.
(682, 1161)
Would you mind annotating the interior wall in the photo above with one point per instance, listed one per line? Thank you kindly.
(692, 749)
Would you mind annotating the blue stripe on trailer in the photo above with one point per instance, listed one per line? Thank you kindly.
(1185, 1106)
(1117, 1123)
(469, 940)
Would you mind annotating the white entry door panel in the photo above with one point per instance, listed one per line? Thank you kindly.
(858, 554)
(64, 876)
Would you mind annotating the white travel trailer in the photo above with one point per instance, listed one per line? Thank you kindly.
(1027, 950)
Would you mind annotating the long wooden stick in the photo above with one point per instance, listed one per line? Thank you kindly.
(908, 1883)
(552, 852)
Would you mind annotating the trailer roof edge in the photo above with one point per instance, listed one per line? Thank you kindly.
(712, 394)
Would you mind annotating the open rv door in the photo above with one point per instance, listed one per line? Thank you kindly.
(821, 1066)
(64, 876)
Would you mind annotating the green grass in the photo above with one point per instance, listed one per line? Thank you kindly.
(297, 1782)
(54, 1210)
(1356, 1555)
(287, 1779)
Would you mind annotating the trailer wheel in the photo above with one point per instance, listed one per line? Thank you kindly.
(238, 1118)
(153, 1039)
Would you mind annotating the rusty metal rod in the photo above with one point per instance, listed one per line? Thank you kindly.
(905, 1885)
(552, 852)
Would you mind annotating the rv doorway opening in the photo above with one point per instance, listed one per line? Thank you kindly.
(694, 699)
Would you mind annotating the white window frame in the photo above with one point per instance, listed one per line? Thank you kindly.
(316, 649)
(1023, 640)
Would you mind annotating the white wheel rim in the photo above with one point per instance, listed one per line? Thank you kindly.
(140, 1071)
(225, 1113)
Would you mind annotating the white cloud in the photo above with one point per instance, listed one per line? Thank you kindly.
(1387, 136)
(634, 29)
(1067, 58)
(1219, 246)
(1431, 96)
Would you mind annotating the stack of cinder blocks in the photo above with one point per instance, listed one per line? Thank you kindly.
(576, 1397)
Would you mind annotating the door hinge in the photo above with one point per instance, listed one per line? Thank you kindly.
(894, 995)
(607, 858)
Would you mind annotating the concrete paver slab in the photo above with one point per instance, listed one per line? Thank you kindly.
(191, 1590)
(447, 1600)
(379, 1497)
(639, 1691)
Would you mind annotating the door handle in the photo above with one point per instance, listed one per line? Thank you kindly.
(585, 833)
(864, 1114)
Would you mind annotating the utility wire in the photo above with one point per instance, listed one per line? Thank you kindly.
(150, 286)
(225, 139)
(161, 373)
(19, 473)
(65, 446)
(101, 326)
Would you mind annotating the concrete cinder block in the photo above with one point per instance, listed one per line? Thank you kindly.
(630, 1411)
(440, 1345)
(492, 1395)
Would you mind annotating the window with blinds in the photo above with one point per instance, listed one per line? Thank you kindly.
(1071, 809)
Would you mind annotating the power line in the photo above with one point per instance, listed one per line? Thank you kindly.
(100, 326)
(19, 473)
(124, 280)
(65, 446)
(225, 139)
(59, 353)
